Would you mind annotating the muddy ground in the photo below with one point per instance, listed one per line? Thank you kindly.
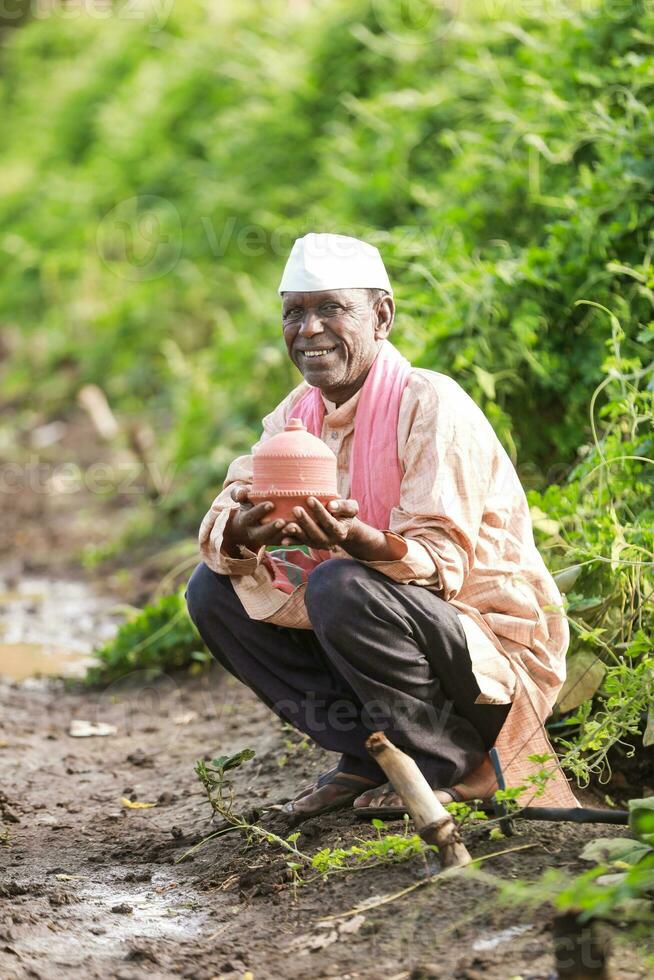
(93, 888)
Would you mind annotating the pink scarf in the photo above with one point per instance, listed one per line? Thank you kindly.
(375, 470)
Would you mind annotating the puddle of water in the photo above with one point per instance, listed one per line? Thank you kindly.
(176, 915)
(50, 628)
(22, 660)
(497, 938)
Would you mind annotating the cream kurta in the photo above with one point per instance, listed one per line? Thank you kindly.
(465, 520)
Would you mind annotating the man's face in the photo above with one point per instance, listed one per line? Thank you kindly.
(333, 337)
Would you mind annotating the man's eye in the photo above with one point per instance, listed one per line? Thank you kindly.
(330, 307)
(295, 311)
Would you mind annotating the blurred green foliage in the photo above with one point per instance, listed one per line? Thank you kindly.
(158, 162)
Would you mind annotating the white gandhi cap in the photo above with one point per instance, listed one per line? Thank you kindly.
(327, 261)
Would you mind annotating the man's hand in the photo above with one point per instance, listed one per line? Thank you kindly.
(245, 527)
(322, 527)
(338, 525)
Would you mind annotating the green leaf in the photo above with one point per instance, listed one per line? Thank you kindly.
(486, 381)
(585, 674)
(608, 850)
(566, 578)
(225, 762)
(543, 523)
(586, 604)
(648, 734)
(641, 819)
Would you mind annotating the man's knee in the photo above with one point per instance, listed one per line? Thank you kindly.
(335, 593)
(203, 592)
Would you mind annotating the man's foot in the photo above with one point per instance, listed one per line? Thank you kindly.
(383, 801)
(323, 778)
(336, 790)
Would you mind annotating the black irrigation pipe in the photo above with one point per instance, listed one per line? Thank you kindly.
(573, 814)
(554, 814)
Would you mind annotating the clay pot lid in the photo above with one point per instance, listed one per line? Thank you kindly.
(295, 441)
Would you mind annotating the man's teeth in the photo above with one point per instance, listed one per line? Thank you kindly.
(318, 353)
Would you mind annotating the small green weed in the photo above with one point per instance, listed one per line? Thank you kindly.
(364, 854)
(383, 849)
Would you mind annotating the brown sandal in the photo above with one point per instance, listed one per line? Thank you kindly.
(355, 784)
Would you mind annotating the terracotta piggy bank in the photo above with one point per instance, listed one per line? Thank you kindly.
(290, 467)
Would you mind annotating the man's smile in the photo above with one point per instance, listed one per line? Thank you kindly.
(317, 352)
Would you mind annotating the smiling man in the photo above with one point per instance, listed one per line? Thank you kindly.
(425, 609)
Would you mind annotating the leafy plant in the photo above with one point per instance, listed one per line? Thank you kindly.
(158, 638)
(212, 777)
(599, 525)
(220, 796)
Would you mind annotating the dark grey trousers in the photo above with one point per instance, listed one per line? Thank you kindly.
(381, 657)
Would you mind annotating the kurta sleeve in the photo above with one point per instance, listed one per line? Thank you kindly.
(415, 567)
(239, 474)
(446, 453)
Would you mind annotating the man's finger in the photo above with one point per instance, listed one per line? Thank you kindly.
(254, 515)
(296, 533)
(266, 533)
(322, 517)
(313, 531)
(343, 508)
(240, 495)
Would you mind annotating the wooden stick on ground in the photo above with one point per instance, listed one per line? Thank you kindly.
(434, 824)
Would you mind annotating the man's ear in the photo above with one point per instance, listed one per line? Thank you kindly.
(385, 317)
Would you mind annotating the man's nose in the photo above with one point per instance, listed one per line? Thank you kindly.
(311, 325)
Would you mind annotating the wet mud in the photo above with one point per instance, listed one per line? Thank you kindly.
(91, 888)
